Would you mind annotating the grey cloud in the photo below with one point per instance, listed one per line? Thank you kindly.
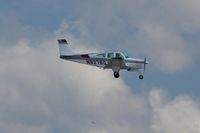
(13, 30)
(182, 15)
(179, 115)
(166, 49)
(117, 25)
(41, 93)
(13, 128)
(154, 29)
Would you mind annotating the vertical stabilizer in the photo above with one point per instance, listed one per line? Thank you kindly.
(64, 48)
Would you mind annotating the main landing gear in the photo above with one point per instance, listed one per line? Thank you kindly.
(141, 77)
(116, 74)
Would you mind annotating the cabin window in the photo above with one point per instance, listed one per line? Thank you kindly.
(110, 55)
(101, 56)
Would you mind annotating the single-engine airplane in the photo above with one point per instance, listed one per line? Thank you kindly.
(110, 60)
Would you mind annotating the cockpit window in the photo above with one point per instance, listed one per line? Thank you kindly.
(119, 55)
(125, 55)
(110, 55)
(101, 56)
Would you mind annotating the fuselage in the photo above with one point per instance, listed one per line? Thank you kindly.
(110, 60)
(103, 60)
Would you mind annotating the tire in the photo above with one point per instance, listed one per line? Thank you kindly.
(141, 77)
(116, 74)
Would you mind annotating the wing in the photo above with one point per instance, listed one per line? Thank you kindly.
(114, 62)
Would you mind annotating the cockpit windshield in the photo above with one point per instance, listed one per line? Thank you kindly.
(125, 55)
(119, 55)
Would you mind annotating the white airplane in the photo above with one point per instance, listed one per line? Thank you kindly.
(111, 60)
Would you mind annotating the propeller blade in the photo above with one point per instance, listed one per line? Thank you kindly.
(145, 62)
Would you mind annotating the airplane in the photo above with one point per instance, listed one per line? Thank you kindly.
(110, 60)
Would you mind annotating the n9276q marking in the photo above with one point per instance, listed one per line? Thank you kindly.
(95, 62)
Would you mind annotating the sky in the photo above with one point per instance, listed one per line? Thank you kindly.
(41, 93)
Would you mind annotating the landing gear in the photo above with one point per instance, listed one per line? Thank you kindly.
(116, 74)
(141, 77)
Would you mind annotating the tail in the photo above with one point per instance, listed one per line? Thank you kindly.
(64, 48)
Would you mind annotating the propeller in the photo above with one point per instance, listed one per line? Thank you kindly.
(145, 62)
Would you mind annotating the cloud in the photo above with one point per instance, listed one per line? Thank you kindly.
(182, 15)
(11, 128)
(171, 116)
(41, 93)
(13, 30)
(154, 29)
(167, 50)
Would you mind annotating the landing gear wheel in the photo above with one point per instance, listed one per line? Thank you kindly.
(141, 77)
(116, 74)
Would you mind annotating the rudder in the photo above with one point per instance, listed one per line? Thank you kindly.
(64, 48)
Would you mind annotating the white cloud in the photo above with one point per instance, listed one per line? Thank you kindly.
(148, 28)
(181, 14)
(179, 115)
(167, 50)
(41, 93)
(40, 90)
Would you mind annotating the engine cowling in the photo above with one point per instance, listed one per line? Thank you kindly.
(134, 67)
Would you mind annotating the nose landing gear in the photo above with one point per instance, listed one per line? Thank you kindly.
(141, 77)
(116, 74)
